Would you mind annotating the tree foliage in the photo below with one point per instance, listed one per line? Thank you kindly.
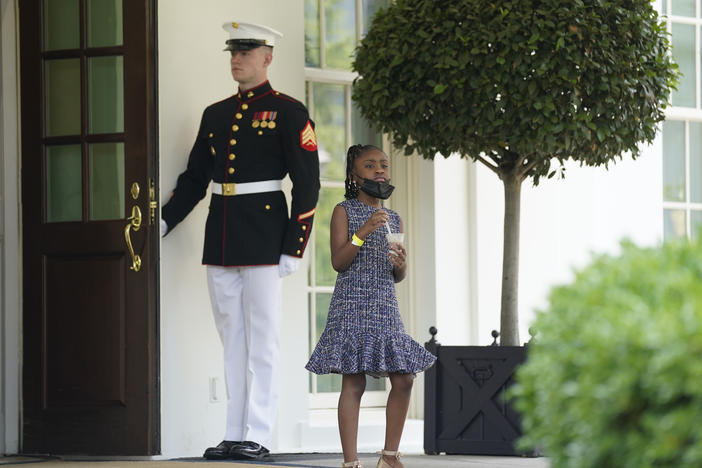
(519, 81)
(516, 85)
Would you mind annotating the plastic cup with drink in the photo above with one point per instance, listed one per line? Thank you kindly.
(395, 240)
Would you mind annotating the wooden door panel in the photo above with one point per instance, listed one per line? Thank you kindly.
(56, 435)
(90, 324)
(84, 369)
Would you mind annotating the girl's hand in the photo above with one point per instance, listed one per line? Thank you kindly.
(377, 219)
(398, 256)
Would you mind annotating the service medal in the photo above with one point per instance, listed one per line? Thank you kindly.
(271, 124)
(255, 124)
(264, 124)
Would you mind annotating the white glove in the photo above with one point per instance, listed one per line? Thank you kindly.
(287, 265)
(164, 228)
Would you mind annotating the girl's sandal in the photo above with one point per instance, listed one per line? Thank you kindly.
(352, 464)
(388, 453)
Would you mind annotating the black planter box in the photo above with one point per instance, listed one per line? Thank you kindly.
(465, 408)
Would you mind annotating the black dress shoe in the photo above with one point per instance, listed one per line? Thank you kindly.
(248, 450)
(222, 451)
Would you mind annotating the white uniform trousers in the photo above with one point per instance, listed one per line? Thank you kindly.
(246, 302)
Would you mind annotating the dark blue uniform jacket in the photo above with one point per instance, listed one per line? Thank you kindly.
(255, 135)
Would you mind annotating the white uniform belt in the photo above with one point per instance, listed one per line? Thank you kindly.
(231, 189)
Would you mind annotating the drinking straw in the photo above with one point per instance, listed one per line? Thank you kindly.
(387, 226)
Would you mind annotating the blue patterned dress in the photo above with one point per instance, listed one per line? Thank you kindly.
(364, 331)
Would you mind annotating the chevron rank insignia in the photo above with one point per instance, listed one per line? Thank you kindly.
(308, 140)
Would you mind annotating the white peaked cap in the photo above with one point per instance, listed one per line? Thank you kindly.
(246, 36)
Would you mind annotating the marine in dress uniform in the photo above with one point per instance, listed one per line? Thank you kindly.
(245, 146)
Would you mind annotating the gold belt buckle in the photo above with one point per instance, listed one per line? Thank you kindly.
(229, 189)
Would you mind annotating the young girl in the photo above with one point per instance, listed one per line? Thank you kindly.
(364, 332)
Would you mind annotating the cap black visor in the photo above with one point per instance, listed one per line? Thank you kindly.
(244, 44)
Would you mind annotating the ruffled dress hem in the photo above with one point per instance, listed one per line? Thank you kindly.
(377, 356)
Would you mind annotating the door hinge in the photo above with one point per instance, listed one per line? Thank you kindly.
(153, 204)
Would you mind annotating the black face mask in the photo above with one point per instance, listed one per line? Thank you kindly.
(377, 189)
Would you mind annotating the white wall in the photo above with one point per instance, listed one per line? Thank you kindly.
(9, 231)
(562, 223)
(193, 73)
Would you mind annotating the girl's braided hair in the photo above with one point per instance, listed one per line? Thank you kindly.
(354, 152)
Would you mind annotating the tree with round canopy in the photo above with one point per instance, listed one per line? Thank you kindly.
(519, 86)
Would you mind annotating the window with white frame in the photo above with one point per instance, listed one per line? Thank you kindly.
(682, 130)
(332, 31)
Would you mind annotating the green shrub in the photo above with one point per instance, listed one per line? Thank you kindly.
(614, 375)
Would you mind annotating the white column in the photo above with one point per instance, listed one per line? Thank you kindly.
(454, 206)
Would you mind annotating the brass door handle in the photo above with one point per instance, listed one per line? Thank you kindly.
(135, 223)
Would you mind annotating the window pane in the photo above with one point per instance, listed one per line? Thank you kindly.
(339, 32)
(329, 382)
(106, 181)
(64, 201)
(330, 116)
(106, 88)
(312, 33)
(375, 384)
(683, 41)
(695, 162)
(62, 30)
(695, 222)
(104, 23)
(361, 132)
(322, 301)
(62, 97)
(674, 224)
(683, 7)
(328, 198)
(673, 160)
(370, 7)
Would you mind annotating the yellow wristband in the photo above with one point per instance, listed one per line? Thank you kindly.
(357, 241)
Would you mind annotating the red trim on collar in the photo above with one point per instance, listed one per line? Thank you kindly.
(241, 94)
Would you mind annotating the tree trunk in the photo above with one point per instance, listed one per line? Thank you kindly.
(509, 320)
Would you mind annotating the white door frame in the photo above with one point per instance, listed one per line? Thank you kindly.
(10, 270)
